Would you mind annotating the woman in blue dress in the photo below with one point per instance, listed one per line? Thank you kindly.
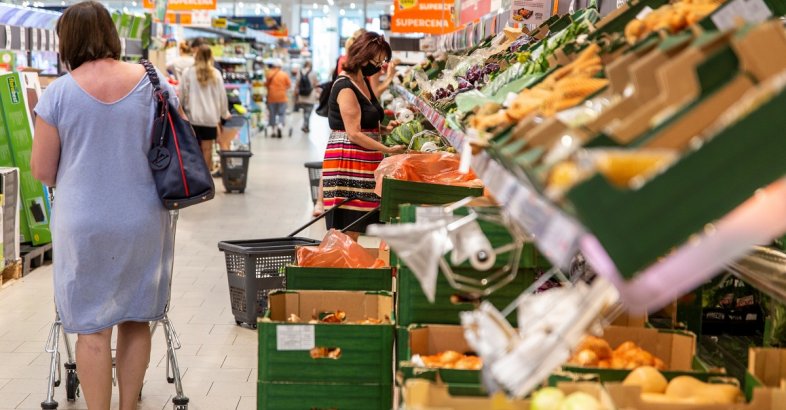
(111, 235)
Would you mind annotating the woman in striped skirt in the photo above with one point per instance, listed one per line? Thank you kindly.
(354, 149)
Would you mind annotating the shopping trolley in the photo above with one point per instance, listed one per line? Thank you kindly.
(179, 402)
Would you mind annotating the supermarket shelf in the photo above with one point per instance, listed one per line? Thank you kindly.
(557, 235)
(231, 60)
(560, 237)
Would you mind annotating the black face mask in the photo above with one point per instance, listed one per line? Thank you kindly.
(369, 69)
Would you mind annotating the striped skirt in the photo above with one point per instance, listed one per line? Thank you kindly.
(348, 172)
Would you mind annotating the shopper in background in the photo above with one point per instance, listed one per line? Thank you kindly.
(111, 235)
(204, 100)
(184, 61)
(306, 85)
(278, 84)
(354, 149)
(347, 44)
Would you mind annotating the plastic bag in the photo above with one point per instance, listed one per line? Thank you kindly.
(438, 168)
(337, 250)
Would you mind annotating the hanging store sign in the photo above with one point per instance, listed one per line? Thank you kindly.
(533, 11)
(184, 5)
(471, 10)
(219, 22)
(179, 18)
(423, 16)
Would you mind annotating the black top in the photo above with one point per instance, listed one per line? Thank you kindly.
(371, 112)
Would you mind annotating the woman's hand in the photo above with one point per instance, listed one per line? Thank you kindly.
(396, 149)
(391, 125)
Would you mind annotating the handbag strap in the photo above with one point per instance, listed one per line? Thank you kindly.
(160, 95)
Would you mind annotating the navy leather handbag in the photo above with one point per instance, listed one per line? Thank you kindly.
(179, 169)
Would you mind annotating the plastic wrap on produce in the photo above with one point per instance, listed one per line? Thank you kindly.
(437, 168)
(337, 250)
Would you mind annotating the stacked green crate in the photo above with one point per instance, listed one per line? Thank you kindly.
(295, 374)
(416, 315)
(308, 278)
(397, 192)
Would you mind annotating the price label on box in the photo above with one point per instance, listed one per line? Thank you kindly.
(295, 337)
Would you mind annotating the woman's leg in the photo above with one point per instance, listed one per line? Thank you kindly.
(133, 357)
(319, 206)
(307, 108)
(94, 355)
(207, 152)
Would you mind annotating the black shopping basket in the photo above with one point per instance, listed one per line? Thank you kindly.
(256, 266)
(234, 170)
(314, 176)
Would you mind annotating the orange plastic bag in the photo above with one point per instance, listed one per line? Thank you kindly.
(337, 250)
(437, 168)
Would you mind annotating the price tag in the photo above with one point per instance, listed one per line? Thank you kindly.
(560, 240)
(741, 11)
(295, 337)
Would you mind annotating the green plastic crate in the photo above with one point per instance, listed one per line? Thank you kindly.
(413, 307)
(636, 227)
(366, 350)
(497, 235)
(299, 278)
(396, 192)
(323, 396)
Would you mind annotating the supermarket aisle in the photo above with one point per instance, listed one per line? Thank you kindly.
(218, 358)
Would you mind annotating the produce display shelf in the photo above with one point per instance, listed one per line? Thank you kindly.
(559, 236)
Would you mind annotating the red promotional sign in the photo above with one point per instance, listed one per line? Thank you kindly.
(472, 10)
(423, 16)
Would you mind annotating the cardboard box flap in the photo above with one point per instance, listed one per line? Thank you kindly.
(433, 339)
(629, 398)
(676, 349)
(425, 395)
(768, 365)
(762, 50)
(357, 305)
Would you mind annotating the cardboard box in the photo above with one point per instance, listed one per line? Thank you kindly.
(629, 398)
(766, 368)
(426, 340)
(422, 394)
(425, 395)
(366, 350)
(677, 350)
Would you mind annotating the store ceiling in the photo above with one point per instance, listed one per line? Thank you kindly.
(229, 5)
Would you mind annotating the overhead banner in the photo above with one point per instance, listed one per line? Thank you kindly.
(272, 25)
(423, 16)
(471, 10)
(184, 5)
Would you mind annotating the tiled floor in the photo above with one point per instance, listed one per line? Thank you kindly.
(218, 359)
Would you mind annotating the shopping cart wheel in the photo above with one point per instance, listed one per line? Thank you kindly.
(239, 323)
(180, 403)
(170, 380)
(72, 382)
(49, 406)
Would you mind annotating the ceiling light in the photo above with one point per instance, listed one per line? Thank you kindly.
(391, 8)
(241, 5)
(125, 10)
(352, 5)
(316, 6)
(342, 12)
(278, 10)
(62, 3)
(331, 2)
(326, 9)
(133, 3)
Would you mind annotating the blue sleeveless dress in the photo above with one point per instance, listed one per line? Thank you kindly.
(112, 239)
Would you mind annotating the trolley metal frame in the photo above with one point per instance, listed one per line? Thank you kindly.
(179, 402)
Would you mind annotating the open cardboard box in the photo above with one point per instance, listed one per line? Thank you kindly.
(425, 395)
(366, 351)
(677, 350)
(629, 398)
(766, 368)
(426, 340)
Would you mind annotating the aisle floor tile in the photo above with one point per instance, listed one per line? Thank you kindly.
(218, 359)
